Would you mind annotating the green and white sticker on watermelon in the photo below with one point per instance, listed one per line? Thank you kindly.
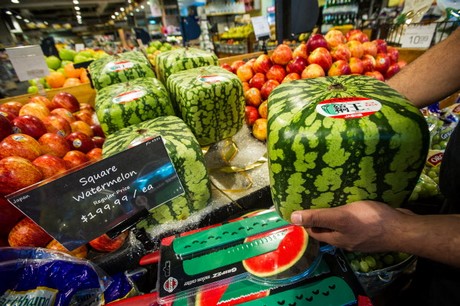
(336, 140)
(210, 100)
(124, 104)
(186, 156)
(119, 68)
(169, 62)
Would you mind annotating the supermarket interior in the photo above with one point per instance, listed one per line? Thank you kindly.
(152, 152)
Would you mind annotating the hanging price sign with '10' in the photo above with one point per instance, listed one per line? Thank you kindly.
(418, 36)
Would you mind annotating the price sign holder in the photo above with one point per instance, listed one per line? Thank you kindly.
(261, 30)
(418, 36)
(28, 62)
(107, 196)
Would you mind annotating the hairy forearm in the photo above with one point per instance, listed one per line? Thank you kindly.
(433, 76)
(431, 236)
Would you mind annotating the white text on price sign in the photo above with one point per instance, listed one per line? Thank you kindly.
(418, 36)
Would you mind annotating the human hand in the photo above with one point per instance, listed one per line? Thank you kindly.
(365, 226)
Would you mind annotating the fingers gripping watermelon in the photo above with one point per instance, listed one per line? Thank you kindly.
(335, 140)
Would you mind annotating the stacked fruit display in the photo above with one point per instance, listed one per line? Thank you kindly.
(331, 54)
(156, 47)
(42, 139)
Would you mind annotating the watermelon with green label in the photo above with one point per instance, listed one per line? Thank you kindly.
(169, 62)
(336, 140)
(186, 156)
(119, 68)
(210, 100)
(124, 104)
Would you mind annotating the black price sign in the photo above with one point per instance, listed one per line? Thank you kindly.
(87, 203)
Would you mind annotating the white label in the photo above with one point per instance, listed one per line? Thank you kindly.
(128, 96)
(211, 79)
(418, 36)
(348, 108)
(119, 66)
(261, 27)
(28, 62)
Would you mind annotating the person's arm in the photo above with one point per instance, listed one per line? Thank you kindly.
(432, 76)
(369, 226)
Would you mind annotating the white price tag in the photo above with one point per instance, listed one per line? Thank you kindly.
(79, 47)
(261, 27)
(28, 62)
(418, 36)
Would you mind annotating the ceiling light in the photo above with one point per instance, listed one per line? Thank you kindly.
(113, 16)
(18, 17)
(75, 2)
(26, 20)
(122, 9)
(9, 13)
(15, 1)
(142, 7)
(116, 13)
(77, 8)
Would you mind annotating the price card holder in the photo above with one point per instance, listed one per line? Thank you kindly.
(261, 27)
(107, 196)
(28, 62)
(418, 36)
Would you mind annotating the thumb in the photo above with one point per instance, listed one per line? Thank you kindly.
(320, 218)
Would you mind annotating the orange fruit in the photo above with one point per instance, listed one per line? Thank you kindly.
(84, 78)
(71, 72)
(55, 79)
(71, 82)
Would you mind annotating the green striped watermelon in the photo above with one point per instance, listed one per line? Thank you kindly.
(210, 100)
(119, 68)
(169, 62)
(124, 104)
(335, 140)
(186, 156)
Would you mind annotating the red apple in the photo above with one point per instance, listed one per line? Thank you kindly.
(340, 52)
(253, 97)
(66, 100)
(251, 114)
(257, 80)
(64, 113)
(84, 115)
(316, 41)
(356, 48)
(291, 77)
(370, 47)
(57, 124)
(368, 62)
(339, 67)
(322, 57)
(263, 109)
(276, 72)
(226, 66)
(82, 126)
(297, 65)
(86, 106)
(54, 144)
(43, 100)
(97, 130)
(356, 65)
(9, 216)
(375, 74)
(267, 88)
(245, 73)
(281, 55)
(29, 125)
(80, 141)
(262, 64)
(17, 173)
(105, 244)
(312, 71)
(11, 107)
(382, 62)
(334, 38)
(381, 45)
(251, 63)
(34, 109)
(393, 54)
(356, 34)
(75, 158)
(245, 86)
(8, 115)
(301, 51)
(26, 233)
(21, 145)
(6, 128)
(95, 154)
(98, 141)
(236, 64)
(259, 129)
(392, 70)
(50, 165)
(80, 252)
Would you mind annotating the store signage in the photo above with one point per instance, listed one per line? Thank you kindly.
(28, 62)
(261, 27)
(418, 36)
(91, 201)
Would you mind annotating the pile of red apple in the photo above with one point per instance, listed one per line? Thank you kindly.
(331, 54)
(39, 140)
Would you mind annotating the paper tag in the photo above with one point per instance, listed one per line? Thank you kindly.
(28, 62)
(261, 27)
(348, 108)
(89, 202)
(418, 36)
